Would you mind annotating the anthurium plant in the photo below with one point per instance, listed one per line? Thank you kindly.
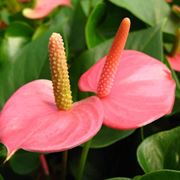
(89, 89)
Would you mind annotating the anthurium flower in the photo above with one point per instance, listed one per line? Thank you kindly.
(43, 8)
(174, 61)
(134, 88)
(174, 58)
(36, 119)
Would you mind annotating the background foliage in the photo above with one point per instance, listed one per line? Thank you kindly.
(88, 28)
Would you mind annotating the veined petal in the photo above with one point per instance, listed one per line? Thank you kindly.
(174, 61)
(43, 8)
(30, 120)
(143, 90)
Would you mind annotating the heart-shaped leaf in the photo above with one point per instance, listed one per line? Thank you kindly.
(160, 151)
(119, 178)
(161, 175)
(107, 136)
(24, 162)
(157, 175)
(152, 12)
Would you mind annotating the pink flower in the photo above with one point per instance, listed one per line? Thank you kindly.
(31, 119)
(174, 58)
(174, 61)
(43, 8)
(134, 88)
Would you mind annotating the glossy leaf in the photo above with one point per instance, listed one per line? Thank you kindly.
(160, 151)
(107, 136)
(152, 41)
(76, 40)
(24, 162)
(154, 12)
(83, 63)
(157, 175)
(148, 11)
(91, 38)
(102, 23)
(119, 178)
(161, 175)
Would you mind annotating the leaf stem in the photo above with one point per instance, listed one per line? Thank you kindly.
(142, 133)
(83, 159)
(64, 165)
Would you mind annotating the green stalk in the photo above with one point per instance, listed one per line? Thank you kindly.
(142, 133)
(64, 164)
(83, 159)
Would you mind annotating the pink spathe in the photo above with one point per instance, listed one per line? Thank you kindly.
(43, 8)
(174, 61)
(30, 120)
(143, 90)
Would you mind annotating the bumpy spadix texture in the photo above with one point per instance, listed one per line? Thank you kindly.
(43, 8)
(30, 120)
(112, 61)
(59, 72)
(142, 90)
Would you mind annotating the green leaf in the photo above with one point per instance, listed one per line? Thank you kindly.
(161, 175)
(172, 24)
(1, 178)
(152, 12)
(31, 60)
(157, 175)
(83, 63)
(19, 29)
(148, 41)
(24, 162)
(16, 36)
(102, 23)
(77, 34)
(160, 151)
(3, 151)
(119, 178)
(92, 38)
(107, 136)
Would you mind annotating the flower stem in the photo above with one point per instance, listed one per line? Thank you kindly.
(142, 133)
(64, 164)
(83, 159)
(44, 164)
